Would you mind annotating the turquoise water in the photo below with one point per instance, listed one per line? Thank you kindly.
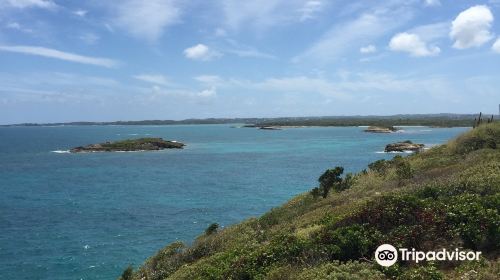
(87, 216)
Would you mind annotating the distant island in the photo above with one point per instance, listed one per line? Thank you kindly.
(381, 129)
(129, 145)
(435, 120)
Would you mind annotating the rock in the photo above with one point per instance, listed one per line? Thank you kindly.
(270, 128)
(404, 146)
(141, 144)
(381, 129)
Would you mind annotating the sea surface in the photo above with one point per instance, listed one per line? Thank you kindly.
(87, 216)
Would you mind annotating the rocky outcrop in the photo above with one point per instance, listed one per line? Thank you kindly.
(404, 146)
(141, 144)
(270, 128)
(381, 129)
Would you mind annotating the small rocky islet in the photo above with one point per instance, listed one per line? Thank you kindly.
(130, 145)
(404, 146)
(381, 129)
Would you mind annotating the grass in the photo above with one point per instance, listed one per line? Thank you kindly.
(448, 198)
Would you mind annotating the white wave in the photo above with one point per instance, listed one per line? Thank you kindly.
(394, 152)
(61, 151)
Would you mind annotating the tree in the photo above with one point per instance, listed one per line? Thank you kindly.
(330, 179)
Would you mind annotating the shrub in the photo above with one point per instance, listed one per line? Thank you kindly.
(211, 229)
(380, 166)
(127, 273)
(477, 225)
(403, 171)
(315, 192)
(346, 243)
(428, 272)
(347, 182)
(347, 271)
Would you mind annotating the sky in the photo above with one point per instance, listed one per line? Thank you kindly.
(95, 60)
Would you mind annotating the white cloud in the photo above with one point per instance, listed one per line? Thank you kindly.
(52, 53)
(310, 9)
(368, 49)
(432, 3)
(201, 52)
(21, 4)
(471, 28)
(433, 31)
(153, 78)
(17, 26)
(208, 79)
(412, 44)
(80, 13)
(346, 36)
(496, 46)
(211, 92)
(146, 19)
(261, 14)
(251, 53)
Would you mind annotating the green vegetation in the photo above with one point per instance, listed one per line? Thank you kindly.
(446, 197)
(211, 229)
(127, 273)
(441, 120)
(141, 144)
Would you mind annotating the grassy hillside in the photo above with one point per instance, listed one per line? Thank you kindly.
(446, 197)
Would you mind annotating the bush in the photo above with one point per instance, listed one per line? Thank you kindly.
(346, 243)
(127, 273)
(338, 271)
(403, 171)
(428, 272)
(211, 229)
(380, 166)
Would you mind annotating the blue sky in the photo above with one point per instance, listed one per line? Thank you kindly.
(170, 59)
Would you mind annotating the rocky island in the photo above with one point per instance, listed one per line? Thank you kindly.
(381, 129)
(404, 146)
(129, 145)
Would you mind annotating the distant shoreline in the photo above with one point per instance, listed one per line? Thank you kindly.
(433, 120)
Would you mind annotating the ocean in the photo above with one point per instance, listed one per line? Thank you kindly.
(90, 215)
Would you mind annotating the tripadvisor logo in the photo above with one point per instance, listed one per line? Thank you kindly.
(387, 255)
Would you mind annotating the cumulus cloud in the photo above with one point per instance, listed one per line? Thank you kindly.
(471, 28)
(21, 4)
(368, 49)
(46, 52)
(153, 78)
(412, 44)
(146, 19)
(496, 46)
(201, 52)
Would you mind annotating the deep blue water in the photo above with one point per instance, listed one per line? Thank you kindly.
(87, 216)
